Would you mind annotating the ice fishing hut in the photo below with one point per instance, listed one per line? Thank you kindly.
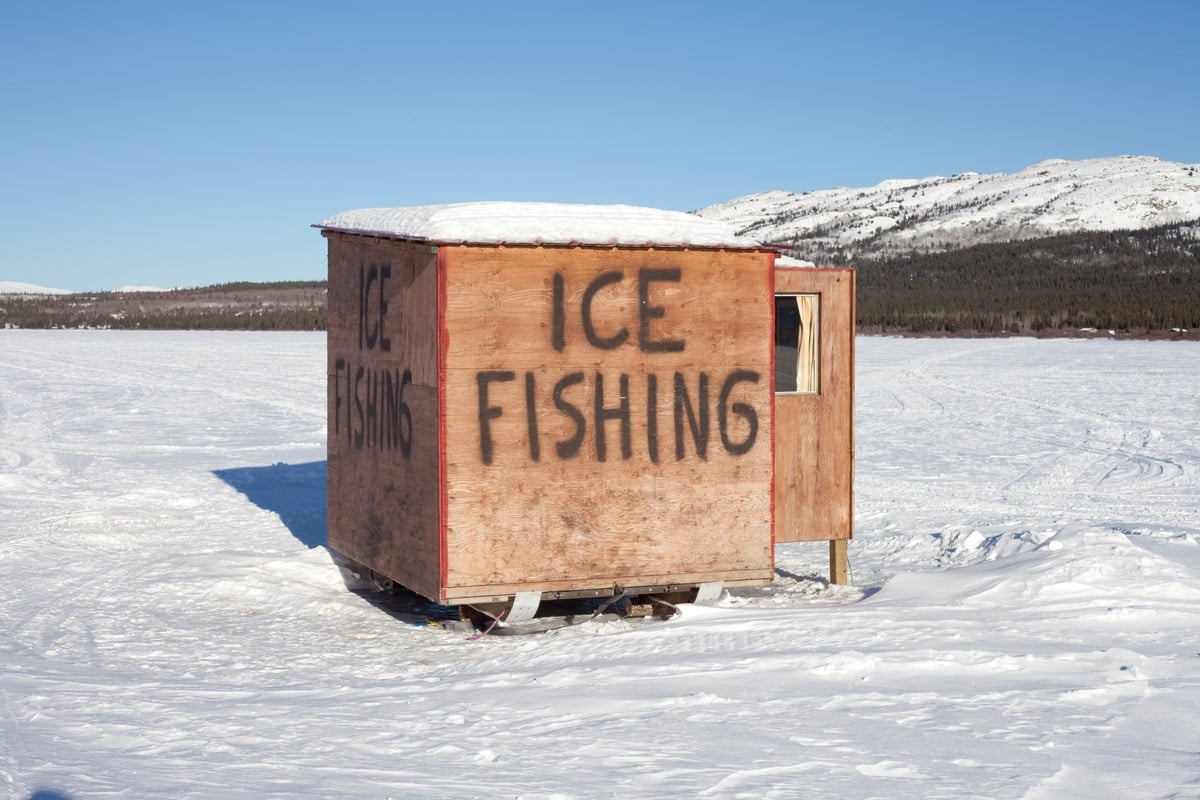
(542, 400)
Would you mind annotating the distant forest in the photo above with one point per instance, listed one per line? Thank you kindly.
(242, 306)
(1136, 283)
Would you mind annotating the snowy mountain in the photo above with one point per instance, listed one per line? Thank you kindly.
(16, 287)
(138, 290)
(1048, 198)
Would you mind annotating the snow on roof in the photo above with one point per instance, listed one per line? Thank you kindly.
(540, 223)
(793, 263)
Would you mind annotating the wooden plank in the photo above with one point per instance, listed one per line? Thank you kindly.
(607, 416)
(409, 293)
(814, 458)
(599, 527)
(504, 305)
(499, 591)
(383, 409)
(839, 564)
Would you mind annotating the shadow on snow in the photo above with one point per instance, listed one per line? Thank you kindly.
(296, 492)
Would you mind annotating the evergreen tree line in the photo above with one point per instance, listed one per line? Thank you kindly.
(1129, 281)
(38, 315)
(290, 305)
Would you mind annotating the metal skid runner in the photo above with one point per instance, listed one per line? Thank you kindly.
(563, 609)
(531, 612)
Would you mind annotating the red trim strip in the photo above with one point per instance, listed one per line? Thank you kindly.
(771, 384)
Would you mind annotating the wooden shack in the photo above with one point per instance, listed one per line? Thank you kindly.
(566, 401)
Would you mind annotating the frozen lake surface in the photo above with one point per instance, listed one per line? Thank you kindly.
(1024, 620)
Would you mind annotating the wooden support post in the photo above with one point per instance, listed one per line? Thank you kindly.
(838, 565)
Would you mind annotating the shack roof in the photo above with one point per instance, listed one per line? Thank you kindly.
(504, 222)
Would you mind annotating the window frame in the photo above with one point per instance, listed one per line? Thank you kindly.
(806, 340)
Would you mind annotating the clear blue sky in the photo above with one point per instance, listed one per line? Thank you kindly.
(187, 143)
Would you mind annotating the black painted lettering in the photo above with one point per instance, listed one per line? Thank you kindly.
(339, 366)
(362, 306)
(358, 406)
(647, 312)
(697, 416)
(406, 440)
(372, 418)
(349, 407)
(569, 448)
(389, 399)
(488, 412)
(589, 328)
(558, 319)
(372, 329)
(743, 410)
(531, 420)
(385, 272)
(372, 311)
(377, 415)
(620, 413)
(396, 413)
(652, 416)
(389, 410)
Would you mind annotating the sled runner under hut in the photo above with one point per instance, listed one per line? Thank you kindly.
(536, 401)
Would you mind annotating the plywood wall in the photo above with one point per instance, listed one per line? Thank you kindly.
(383, 436)
(608, 417)
(814, 440)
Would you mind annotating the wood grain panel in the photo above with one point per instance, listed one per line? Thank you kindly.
(382, 436)
(814, 444)
(678, 483)
(410, 321)
(502, 308)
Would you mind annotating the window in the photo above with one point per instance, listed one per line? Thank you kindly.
(797, 328)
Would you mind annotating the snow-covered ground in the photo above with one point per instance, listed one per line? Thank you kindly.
(1024, 620)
